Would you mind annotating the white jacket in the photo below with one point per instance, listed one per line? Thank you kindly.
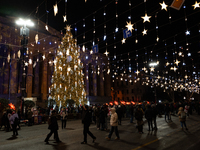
(114, 117)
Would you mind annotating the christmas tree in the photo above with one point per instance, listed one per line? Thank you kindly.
(67, 79)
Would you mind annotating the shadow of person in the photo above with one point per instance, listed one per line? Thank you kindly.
(12, 138)
(59, 146)
(96, 146)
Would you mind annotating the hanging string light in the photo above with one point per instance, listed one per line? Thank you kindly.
(65, 16)
(55, 9)
(93, 43)
(47, 12)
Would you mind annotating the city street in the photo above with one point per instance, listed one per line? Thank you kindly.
(169, 136)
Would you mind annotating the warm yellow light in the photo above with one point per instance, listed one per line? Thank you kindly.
(164, 6)
(146, 18)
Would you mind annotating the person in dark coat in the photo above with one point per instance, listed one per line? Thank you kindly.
(102, 118)
(155, 113)
(131, 113)
(139, 117)
(167, 111)
(119, 113)
(53, 126)
(149, 116)
(86, 119)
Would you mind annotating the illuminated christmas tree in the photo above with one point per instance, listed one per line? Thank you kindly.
(67, 79)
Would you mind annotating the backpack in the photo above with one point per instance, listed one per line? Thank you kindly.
(183, 116)
(16, 121)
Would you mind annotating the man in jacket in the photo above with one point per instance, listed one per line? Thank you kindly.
(86, 119)
(14, 122)
(149, 116)
(113, 124)
(182, 117)
(53, 126)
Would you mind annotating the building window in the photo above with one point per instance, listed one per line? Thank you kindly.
(127, 98)
(127, 91)
(132, 91)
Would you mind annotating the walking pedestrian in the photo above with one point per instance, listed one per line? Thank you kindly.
(167, 111)
(139, 117)
(102, 119)
(119, 114)
(155, 113)
(149, 116)
(113, 124)
(53, 127)
(182, 117)
(86, 120)
(29, 116)
(14, 122)
(64, 118)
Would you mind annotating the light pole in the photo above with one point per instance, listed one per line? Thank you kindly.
(24, 32)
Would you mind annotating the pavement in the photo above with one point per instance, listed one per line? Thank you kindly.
(169, 136)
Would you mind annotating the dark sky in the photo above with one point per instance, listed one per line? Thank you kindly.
(169, 30)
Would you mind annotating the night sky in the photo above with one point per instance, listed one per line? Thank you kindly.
(169, 30)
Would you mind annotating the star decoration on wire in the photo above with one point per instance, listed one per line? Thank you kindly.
(167, 64)
(187, 32)
(55, 9)
(129, 26)
(65, 18)
(68, 28)
(26, 64)
(144, 69)
(137, 72)
(144, 32)
(146, 18)
(173, 68)
(152, 69)
(123, 41)
(164, 6)
(46, 27)
(106, 53)
(177, 62)
(43, 57)
(91, 52)
(196, 5)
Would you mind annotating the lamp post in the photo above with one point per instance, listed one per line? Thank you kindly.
(24, 32)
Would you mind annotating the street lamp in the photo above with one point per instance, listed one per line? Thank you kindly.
(24, 31)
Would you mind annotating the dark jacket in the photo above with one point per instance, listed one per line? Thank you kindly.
(139, 114)
(53, 123)
(102, 116)
(149, 113)
(86, 118)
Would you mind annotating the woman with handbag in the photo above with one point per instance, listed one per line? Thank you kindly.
(64, 118)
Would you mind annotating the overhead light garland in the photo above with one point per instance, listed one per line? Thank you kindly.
(163, 6)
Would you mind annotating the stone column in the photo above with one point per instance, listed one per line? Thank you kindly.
(87, 80)
(29, 79)
(6, 77)
(44, 86)
(14, 72)
(94, 81)
(101, 82)
(37, 79)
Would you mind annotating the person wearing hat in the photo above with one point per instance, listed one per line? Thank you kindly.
(53, 126)
(86, 120)
(113, 124)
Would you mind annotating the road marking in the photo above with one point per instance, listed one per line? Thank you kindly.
(147, 143)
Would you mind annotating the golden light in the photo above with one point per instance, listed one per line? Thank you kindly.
(137, 72)
(177, 62)
(196, 5)
(173, 68)
(55, 9)
(123, 41)
(146, 18)
(144, 32)
(152, 69)
(167, 64)
(68, 28)
(65, 18)
(36, 38)
(164, 6)
(106, 53)
(129, 26)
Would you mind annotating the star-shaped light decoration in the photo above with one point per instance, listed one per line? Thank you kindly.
(36, 38)
(46, 27)
(65, 18)
(186, 76)
(144, 32)
(106, 53)
(164, 6)
(137, 72)
(146, 18)
(177, 62)
(123, 41)
(152, 69)
(167, 64)
(26, 64)
(91, 52)
(43, 57)
(129, 26)
(68, 28)
(55, 61)
(144, 69)
(180, 53)
(196, 5)
(157, 39)
(187, 32)
(173, 68)
(55, 9)
(159, 77)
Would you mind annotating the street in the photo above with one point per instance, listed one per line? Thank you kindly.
(169, 136)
